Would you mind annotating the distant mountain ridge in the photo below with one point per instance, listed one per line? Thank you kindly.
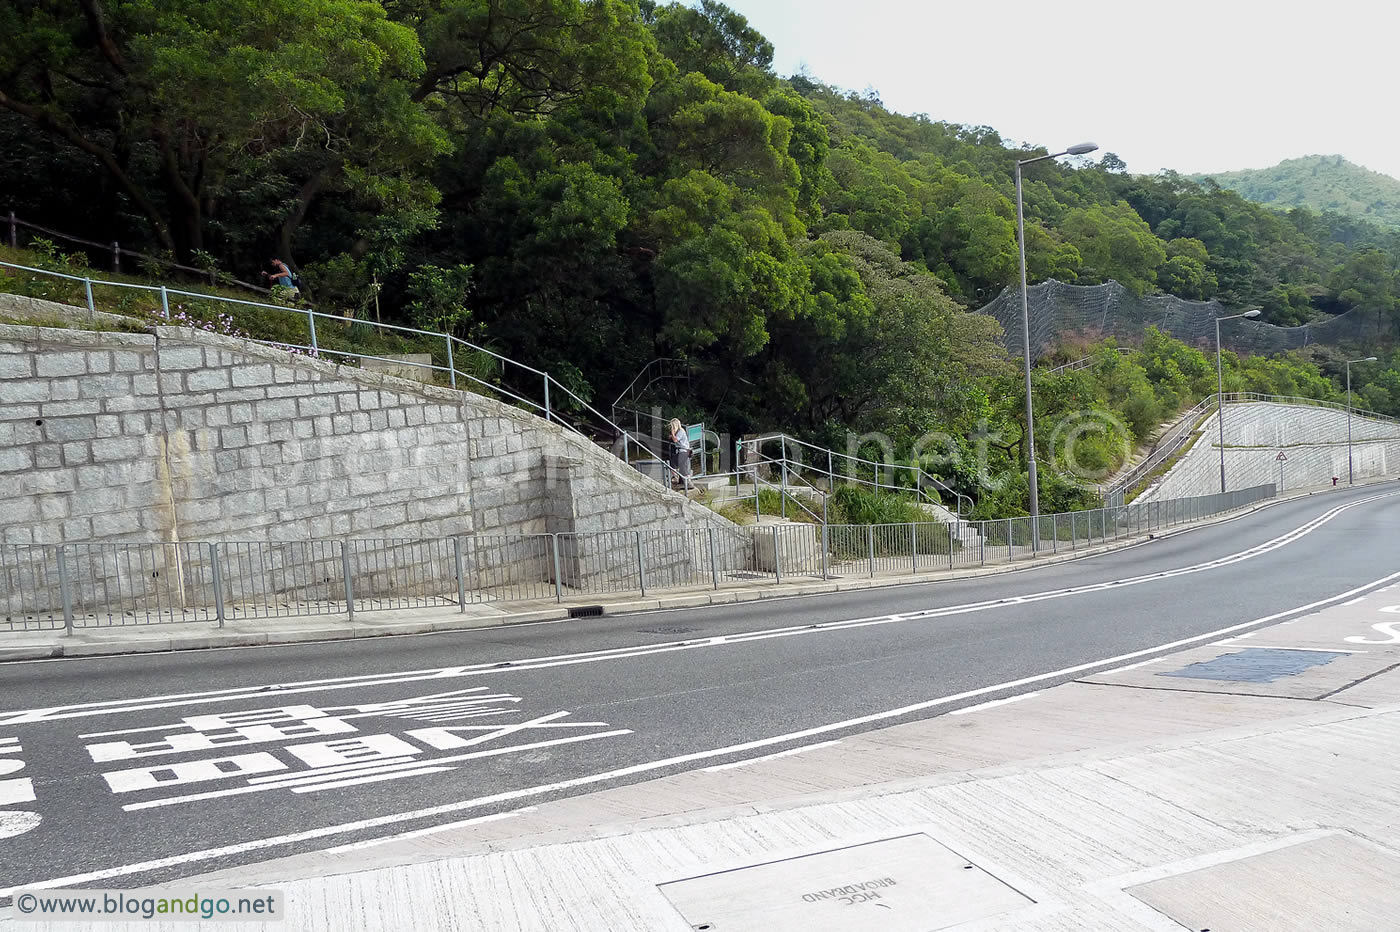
(1321, 182)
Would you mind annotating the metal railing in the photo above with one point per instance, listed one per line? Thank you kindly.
(634, 446)
(749, 456)
(1087, 361)
(101, 585)
(116, 250)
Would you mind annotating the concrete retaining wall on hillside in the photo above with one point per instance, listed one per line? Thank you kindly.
(179, 435)
(1313, 439)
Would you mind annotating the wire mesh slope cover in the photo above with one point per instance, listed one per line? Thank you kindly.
(1058, 310)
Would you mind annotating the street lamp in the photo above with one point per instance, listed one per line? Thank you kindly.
(1349, 362)
(1220, 387)
(1079, 149)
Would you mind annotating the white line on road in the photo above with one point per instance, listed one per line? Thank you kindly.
(209, 854)
(1132, 666)
(767, 757)
(622, 653)
(993, 704)
(434, 830)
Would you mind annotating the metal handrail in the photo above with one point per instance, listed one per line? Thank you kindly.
(1088, 361)
(117, 251)
(311, 315)
(919, 473)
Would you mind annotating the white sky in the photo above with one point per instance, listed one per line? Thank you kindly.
(1194, 85)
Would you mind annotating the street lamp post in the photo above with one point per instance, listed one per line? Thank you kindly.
(1079, 149)
(1220, 387)
(1350, 479)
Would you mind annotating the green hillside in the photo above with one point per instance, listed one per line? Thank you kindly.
(1321, 182)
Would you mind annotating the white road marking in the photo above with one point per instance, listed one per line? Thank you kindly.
(292, 778)
(1388, 628)
(993, 704)
(1132, 666)
(193, 857)
(1330, 650)
(792, 752)
(622, 653)
(434, 830)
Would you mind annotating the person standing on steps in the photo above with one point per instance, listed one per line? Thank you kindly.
(680, 455)
(283, 276)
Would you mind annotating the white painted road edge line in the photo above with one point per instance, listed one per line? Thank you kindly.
(767, 757)
(993, 704)
(328, 831)
(433, 830)
(20, 717)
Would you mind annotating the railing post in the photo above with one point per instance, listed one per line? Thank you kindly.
(311, 322)
(558, 583)
(116, 257)
(548, 412)
(826, 546)
(783, 500)
(714, 562)
(345, 574)
(164, 303)
(1073, 543)
(216, 573)
(92, 308)
(641, 563)
(982, 542)
(14, 233)
(914, 546)
(870, 528)
(458, 568)
(1010, 544)
(777, 555)
(451, 368)
(65, 591)
(1055, 533)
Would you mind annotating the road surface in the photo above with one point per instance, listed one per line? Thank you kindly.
(146, 768)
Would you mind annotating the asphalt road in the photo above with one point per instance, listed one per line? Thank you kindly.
(151, 767)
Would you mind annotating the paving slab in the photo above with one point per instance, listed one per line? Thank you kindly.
(1335, 882)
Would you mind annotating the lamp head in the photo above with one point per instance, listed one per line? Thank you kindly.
(1082, 148)
(1253, 313)
(1367, 359)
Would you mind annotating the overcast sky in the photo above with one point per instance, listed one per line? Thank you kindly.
(1194, 85)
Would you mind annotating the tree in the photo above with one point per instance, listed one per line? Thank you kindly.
(713, 40)
(189, 106)
(1116, 243)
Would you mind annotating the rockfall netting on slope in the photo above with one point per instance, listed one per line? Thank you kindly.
(1059, 312)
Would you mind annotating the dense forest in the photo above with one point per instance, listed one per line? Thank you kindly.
(587, 185)
(1320, 182)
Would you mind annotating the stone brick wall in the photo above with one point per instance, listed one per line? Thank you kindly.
(179, 435)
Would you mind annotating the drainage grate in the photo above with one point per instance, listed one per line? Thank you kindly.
(586, 611)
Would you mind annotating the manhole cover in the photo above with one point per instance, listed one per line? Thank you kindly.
(667, 629)
(907, 884)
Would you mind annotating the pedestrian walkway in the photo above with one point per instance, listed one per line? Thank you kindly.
(1246, 784)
